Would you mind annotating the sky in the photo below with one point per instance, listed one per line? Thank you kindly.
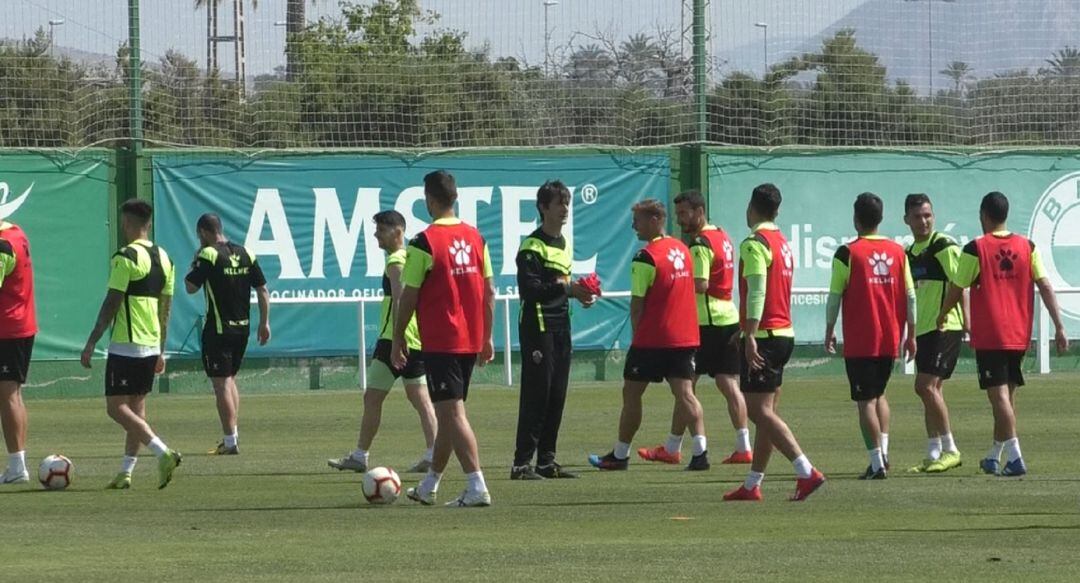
(509, 27)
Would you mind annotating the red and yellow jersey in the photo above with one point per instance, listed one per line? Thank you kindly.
(874, 278)
(18, 317)
(766, 252)
(1001, 269)
(662, 275)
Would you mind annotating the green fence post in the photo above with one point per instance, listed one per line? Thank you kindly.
(314, 372)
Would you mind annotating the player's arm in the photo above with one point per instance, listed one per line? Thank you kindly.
(949, 258)
(200, 269)
(1049, 298)
(755, 258)
(119, 276)
(7, 259)
(487, 353)
(642, 275)
(533, 286)
(909, 288)
(701, 255)
(418, 263)
(258, 281)
(967, 270)
(165, 312)
(838, 283)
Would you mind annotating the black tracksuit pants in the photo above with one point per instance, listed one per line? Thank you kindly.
(545, 375)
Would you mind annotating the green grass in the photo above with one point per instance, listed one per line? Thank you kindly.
(277, 513)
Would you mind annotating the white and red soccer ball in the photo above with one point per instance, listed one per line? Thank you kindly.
(381, 486)
(56, 472)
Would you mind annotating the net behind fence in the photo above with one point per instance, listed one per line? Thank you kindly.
(490, 73)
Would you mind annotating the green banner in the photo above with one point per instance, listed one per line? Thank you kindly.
(62, 202)
(819, 189)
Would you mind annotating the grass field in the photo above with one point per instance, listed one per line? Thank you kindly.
(277, 513)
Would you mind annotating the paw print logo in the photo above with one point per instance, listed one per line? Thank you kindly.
(789, 260)
(729, 252)
(880, 263)
(1006, 259)
(461, 252)
(234, 260)
(677, 259)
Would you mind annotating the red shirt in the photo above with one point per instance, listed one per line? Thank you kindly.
(1003, 296)
(722, 272)
(669, 319)
(450, 307)
(18, 318)
(875, 301)
(777, 313)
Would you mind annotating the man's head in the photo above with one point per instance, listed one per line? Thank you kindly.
(553, 202)
(690, 212)
(440, 192)
(649, 219)
(994, 211)
(764, 204)
(868, 212)
(208, 229)
(389, 230)
(919, 215)
(135, 215)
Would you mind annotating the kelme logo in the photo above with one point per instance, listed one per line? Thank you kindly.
(8, 208)
(461, 252)
(880, 263)
(1055, 230)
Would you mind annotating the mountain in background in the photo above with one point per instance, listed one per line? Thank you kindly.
(991, 36)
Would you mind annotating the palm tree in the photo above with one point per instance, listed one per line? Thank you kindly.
(958, 71)
(590, 64)
(637, 59)
(1066, 63)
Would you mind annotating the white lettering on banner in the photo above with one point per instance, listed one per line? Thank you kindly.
(329, 218)
(811, 252)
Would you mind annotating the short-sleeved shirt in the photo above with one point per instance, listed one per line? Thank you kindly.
(227, 272)
(933, 265)
(712, 311)
(386, 314)
(136, 328)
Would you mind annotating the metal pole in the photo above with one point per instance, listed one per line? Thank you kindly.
(930, 39)
(1043, 339)
(508, 375)
(766, 51)
(135, 82)
(700, 82)
(363, 348)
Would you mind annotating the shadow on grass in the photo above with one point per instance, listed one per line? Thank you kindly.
(301, 508)
(986, 528)
(593, 503)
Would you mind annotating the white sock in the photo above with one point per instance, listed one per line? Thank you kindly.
(699, 445)
(430, 483)
(877, 459)
(995, 451)
(476, 482)
(742, 439)
(753, 480)
(622, 450)
(933, 448)
(948, 444)
(674, 443)
(803, 469)
(128, 465)
(17, 462)
(885, 444)
(231, 440)
(429, 454)
(1012, 449)
(157, 446)
(360, 455)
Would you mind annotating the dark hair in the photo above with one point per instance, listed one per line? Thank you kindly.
(652, 208)
(869, 210)
(138, 209)
(692, 198)
(766, 200)
(390, 218)
(995, 206)
(551, 191)
(440, 186)
(210, 223)
(916, 200)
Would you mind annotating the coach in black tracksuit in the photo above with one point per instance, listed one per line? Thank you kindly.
(545, 288)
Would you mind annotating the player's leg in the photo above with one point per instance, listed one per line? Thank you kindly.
(999, 374)
(884, 415)
(537, 374)
(562, 352)
(670, 452)
(380, 379)
(227, 414)
(642, 366)
(693, 416)
(1014, 464)
(927, 388)
(14, 421)
(417, 394)
(870, 426)
(728, 384)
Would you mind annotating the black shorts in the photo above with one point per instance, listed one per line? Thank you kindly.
(126, 375)
(222, 354)
(448, 375)
(15, 358)
(414, 363)
(717, 355)
(653, 365)
(776, 350)
(1000, 367)
(937, 352)
(868, 377)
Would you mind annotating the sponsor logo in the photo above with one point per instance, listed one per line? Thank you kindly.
(677, 259)
(8, 208)
(461, 252)
(880, 263)
(1055, 230)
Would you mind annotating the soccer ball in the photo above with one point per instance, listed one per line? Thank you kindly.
(55, 472)
(381, 486)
